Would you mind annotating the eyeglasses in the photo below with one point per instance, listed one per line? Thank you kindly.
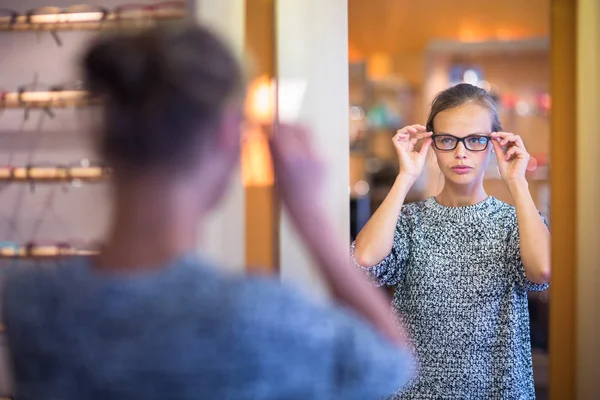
(37, 95)
(472, 142)
(3, 98)
(44, 99)
(55, 15)
(8, 17)
(163, 9)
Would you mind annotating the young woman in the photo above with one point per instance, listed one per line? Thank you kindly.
(462, 261)
(147, 319)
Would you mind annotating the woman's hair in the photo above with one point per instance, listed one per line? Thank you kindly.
(163, 91)
(460, 94)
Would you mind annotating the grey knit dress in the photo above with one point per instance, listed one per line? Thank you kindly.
(461, 290)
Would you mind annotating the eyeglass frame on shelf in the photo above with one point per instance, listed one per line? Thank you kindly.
(58, 11)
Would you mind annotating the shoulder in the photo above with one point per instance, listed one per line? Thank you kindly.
(415, 208)
(299, 330)
(29, 285)
(503, 209)
(413, 212)
(507, 213)
(36, 277)
(268, 305)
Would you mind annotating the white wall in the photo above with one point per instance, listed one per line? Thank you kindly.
(312, 45)
(224, 236)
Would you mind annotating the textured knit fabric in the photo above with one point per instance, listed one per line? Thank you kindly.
(187, 332)
(461, 292)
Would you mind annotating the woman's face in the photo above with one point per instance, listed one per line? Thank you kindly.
(460, 165)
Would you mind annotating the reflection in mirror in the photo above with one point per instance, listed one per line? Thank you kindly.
(463, 268)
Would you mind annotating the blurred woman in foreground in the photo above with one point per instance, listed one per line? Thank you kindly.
(148, 319)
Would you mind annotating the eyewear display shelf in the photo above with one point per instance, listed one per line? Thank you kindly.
(91, 17)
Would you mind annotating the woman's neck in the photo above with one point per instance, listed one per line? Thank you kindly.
(461, 195)
(150, 227)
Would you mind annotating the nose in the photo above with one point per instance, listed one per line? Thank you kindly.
(460, 152)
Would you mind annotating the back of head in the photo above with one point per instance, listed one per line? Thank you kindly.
(163, 90)
(459, 95)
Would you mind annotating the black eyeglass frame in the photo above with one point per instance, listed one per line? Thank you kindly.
(459, 140)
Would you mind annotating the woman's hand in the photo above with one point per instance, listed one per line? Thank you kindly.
(300, 180)
(299, 170)
(412, 161)
(512, 163)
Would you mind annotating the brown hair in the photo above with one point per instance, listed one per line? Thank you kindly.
(163, 90)
(460, 94)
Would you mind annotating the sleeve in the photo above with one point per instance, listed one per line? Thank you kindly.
(328, 349)
(516, 264)
(389, 271)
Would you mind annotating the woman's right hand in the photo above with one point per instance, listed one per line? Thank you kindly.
(412, 162)
(300, 180)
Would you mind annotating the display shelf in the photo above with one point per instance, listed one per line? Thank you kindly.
(84, 17)
(54, 173)
(45, 251)
(47, 99)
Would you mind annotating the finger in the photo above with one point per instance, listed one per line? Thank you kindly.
(513, 152)
(402, 142)
(401, 136)
(532, 164)
(292, 138)
(498, 150)
(520, 142)
(418, 128)
(509, 139)
(516, 141)
(505, 137)
(412, 129)
(297, 135)
(500, 134)
(425, 147)
(403, 131)
(420, 136)
(284, 144)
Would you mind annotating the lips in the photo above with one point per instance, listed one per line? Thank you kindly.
(461, 169)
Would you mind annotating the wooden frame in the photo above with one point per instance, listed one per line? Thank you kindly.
(262, 208)
(588, 192)
(563, 147)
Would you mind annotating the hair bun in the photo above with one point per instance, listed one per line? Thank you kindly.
(124, 66)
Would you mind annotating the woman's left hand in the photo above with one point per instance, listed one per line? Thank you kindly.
(512, 163)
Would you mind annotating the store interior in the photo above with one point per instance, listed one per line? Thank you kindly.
(401, 53)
